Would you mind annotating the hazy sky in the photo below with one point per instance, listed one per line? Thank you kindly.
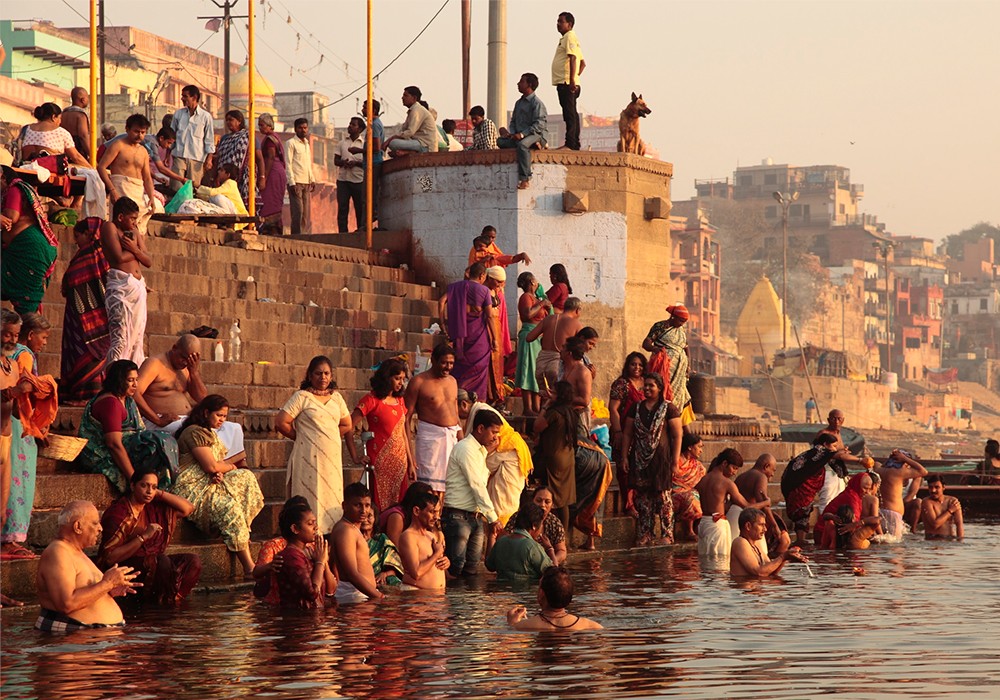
(912, 83)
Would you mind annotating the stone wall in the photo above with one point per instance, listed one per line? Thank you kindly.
(866, 404)
(618, 261)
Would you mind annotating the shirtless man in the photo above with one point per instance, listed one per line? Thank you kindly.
(125, 289)
(554, 330)
(124, 168)
(718, 493)
(555, 593)
(834, 483)
(941, 515)
(752, 485)
(350, 549)
(164, 386)
(76, 121)
(432, 397)
(421, 546)
(71, 589)
(747, 558)
(577, 374)
(896, 471)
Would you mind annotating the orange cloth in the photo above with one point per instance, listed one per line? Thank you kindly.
(38, 407)
(498, 258)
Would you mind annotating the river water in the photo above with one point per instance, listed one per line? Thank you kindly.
(921, 623)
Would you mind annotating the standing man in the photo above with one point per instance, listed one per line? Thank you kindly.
(484, 132)
(810, 409)
(421, 546)
(350, 175)
(76, 120)
(753, 487)
(124, 168)
(125, 289)
(567, 65)
(718, 493)
(301, 182)
(555, 330)
(467, 500)
(432, 396)
(349, 549)
(376, 134)
(836, 469)
(419, 133)
(528, 126)
(893, 507)
(195, 134)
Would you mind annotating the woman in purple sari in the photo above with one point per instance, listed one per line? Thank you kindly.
(469, 313)
(271, 177)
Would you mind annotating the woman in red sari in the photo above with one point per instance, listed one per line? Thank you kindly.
(687, 473)
(852, 518)
(388, 452)
(137, 529)
(626, 392)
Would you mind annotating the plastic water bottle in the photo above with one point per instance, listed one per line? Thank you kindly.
(220, 353)
(234, 341)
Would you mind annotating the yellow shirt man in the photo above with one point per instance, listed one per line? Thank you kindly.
(568, 46)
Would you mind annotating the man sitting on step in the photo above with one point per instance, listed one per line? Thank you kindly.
(170, 383)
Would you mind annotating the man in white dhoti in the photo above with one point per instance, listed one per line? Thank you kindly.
(718, 494)
(124, 169)
(432, 397)
(125, 290)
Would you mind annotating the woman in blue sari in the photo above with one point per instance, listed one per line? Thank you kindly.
(117, 439)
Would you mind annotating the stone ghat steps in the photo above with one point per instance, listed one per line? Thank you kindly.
(203, 254)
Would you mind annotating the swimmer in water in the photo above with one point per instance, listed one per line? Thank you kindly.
(941, 515)
(555, 592)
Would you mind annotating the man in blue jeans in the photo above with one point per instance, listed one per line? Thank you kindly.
(466, 501)
(528, 126)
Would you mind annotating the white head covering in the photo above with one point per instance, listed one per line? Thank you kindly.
(497, 273)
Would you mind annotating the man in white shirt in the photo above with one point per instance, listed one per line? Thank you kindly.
(454, 144)
(195, 134)
(419, 133)
(466, 499)
(350, 175)
(300, 176)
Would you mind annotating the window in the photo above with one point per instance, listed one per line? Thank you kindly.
(744, 180)
(982, 305)
(771, 179)
(843, 209)
(770, 212)
(805, 212)
(795, 210)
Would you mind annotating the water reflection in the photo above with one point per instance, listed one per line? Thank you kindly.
(919, 624)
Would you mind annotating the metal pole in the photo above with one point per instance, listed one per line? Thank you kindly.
(93, 82)
(369, 185)
(103, 84)
(888, 314)
(770, 380)
(251, 125)
(466, 61)
(226, 21)
(784, 275)
(805, 365)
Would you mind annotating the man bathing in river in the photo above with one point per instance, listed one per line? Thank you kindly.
(421, 546)
(752, 485)
(941, 515)
(748, 557)
(896, 471)
(72, 591)
(718, 493)
(555, 593)
(350, 549)
(432, 396)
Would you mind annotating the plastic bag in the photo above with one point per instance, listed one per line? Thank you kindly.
(185, 193)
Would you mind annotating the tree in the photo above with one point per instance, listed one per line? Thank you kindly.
(952, 245)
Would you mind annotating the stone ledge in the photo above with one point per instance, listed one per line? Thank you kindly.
(509, 156)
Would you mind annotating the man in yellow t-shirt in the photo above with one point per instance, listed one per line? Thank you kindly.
(567, 65)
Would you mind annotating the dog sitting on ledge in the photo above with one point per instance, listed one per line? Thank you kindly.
(628, 126)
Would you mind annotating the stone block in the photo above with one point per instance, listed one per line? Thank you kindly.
(56, 490)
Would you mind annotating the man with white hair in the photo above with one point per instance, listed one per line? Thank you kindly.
(72, 591)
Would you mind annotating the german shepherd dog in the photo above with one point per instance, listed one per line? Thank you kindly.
(628, 127)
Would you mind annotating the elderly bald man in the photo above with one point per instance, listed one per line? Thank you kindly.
(72, 591)
(168, 386)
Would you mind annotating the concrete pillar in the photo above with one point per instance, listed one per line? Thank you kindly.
(496, 84)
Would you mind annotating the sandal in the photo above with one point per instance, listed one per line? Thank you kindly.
(15, 550)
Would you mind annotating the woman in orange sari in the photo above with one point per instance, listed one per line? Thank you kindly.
(687, 473)
(388, 452)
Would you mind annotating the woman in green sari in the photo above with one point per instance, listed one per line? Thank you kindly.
(29, 246)
(117, 439)
(386, 563)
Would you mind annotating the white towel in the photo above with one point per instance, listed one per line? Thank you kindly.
(95, 196)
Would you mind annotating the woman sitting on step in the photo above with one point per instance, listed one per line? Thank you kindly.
(225, 497)
(117, 440)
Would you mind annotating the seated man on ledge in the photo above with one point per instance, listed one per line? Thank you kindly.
(748, 556)
(165, 384)
(555, 592)
(72, 591)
